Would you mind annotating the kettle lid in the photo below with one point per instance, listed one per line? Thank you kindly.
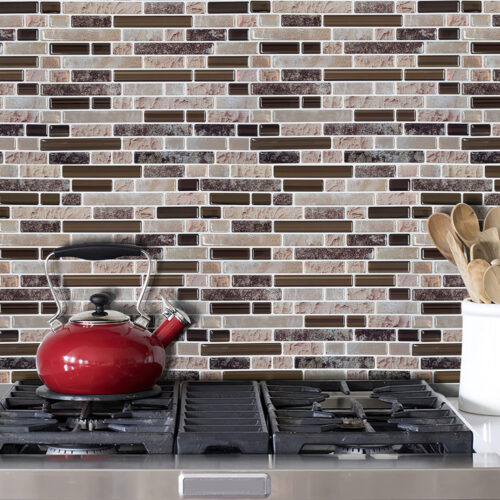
(99, 316)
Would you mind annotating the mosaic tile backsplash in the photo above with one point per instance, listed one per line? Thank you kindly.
(278, 158)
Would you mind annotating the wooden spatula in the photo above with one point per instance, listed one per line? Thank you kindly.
(438, 226)
(477, 268)
(461, 263)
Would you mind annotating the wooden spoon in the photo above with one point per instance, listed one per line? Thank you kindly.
(438, 226)
(477, 268)
(489, 242)
(491, 282)
(492, 218)
(465, 223)
(461, 263)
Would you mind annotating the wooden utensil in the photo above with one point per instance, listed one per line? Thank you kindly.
(438, 226)
(491, 282)
(492, 218)
(476, 269)
(489, 241)
(461, 263)
(478, 252)
(465, 223)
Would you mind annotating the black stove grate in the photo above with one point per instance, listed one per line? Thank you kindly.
(221, 417)
(362, 417)
(31, 424)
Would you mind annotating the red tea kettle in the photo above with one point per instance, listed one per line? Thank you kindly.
(103, 351)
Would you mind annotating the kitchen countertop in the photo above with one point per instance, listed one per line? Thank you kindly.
(290, 477)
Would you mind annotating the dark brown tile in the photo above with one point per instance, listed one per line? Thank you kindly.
(443, 349)
(375, 280)
(363, 74)
(440, 198)
(69, 103)
(76, 280)
(392, 212)
(260, 6)
(80, 144)
(324, 320)
(424, 74)
(230, 253)
(19, 198)
(92, 185)
(230, 198)
(449, 33)
(50, 7)
(480, 143)
(15, 308)
(312, 280)
(220, 336)
(279, 102)
(230, 308)
(470, 6)
(373, 20)
(228, 62)
(153, 75)
(309, 185)
(399, 294)
(210, 212)
(177, 266)
(238, 35)
(163, 116)
(18, 7)
(485, 48)
(432, 6)
(239, 349)
(279, 47)
(227, 7)
(24, 88)
(155, 21)
(373, 115)
(101, 171)
(290, 143)
(70, 48)
(441, 308)
(19, 253)
(132, 226)
(214, 75)
(313, 171)
(177, 212)
(27, 35)
(195, 116)
(396, 266)
(438, 61)
(404, 115)
(262, 375)
(341, 226)
(18, 62)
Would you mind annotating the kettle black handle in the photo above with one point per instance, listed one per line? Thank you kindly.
(98, 251)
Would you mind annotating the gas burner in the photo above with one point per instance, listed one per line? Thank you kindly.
(44, 392)
(67, 425)
(80, 450)
(366, 450)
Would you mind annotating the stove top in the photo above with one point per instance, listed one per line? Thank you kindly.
(336, 418)
(363, 417)
(31, 424)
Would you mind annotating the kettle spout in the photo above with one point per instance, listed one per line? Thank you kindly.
(174, 323)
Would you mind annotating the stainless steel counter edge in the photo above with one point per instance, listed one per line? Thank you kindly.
(274, 477)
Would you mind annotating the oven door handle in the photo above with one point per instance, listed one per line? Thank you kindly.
(224, 485)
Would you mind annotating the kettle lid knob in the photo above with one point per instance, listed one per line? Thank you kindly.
(100, 300)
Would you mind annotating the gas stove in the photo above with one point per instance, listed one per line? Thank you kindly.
(329, 417)
(35, 421)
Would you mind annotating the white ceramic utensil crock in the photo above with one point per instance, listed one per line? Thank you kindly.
(479, 378)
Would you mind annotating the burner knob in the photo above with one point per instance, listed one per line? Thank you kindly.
(100, 300)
